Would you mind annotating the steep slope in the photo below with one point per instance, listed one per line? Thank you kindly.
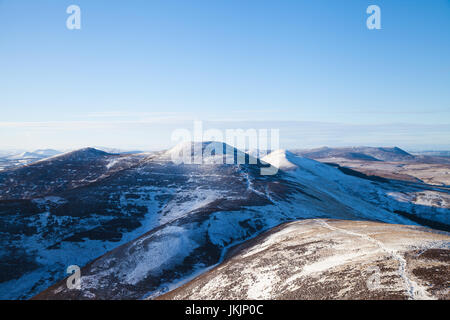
(385, 195)
(330, 259)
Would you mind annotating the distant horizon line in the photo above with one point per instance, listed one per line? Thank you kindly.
(143, 150)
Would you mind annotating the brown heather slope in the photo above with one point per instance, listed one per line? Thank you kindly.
(432, 172)
(330, 259)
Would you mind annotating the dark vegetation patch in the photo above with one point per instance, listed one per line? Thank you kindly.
(132, 196)
(424, 222)
(19, 207)
(437, 276)
(354, 173)
(14, 263)
(109, 231)
(442, 255)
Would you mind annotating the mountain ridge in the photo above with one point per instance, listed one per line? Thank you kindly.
(140, 224)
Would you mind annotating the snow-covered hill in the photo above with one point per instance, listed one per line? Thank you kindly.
(189, 215)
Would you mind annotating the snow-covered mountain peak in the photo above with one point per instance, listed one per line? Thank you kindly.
(282, 159)
(288, 161)
(208, 152)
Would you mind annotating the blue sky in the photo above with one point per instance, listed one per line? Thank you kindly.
(138, 69)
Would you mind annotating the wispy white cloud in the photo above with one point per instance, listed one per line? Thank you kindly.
(127, 114)
(155, 133)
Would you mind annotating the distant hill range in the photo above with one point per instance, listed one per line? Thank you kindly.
(37, 154)
(390, 154)
(434, 153)
(10, 159)
(358, 153)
